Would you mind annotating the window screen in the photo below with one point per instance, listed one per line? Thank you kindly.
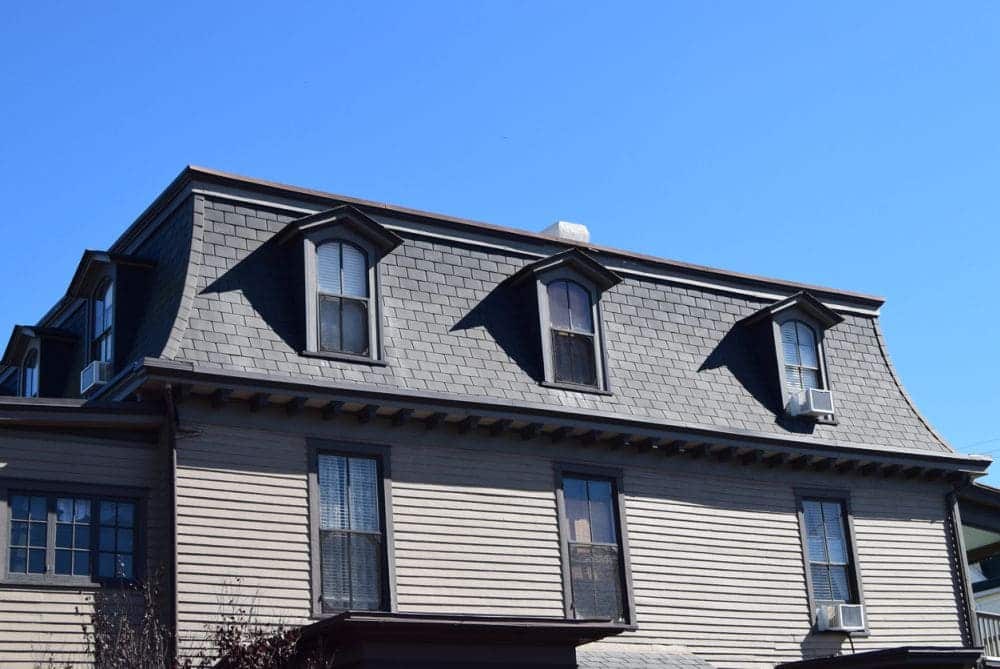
(571, 322)
(827, 549)
(342, 293)
(594, 548)
(801, 356)
(350, 533)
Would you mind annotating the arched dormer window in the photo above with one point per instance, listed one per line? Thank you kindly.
(29, 375)
(342, 298)
(571, 328)
(102, 322)
(342, 250)
(567, 289)
(800, 356)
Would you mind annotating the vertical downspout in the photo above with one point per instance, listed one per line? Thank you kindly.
(958, 542)
(170, 428)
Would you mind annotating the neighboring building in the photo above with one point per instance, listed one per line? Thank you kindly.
(487, 446)
(980, 508)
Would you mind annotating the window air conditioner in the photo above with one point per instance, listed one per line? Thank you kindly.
(93, 375)
(811, 402)
(838, 617)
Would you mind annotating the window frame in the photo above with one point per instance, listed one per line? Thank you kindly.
(842, 497)
(616, 478)
(106, 279)
(381, 453)
(312, 242)
(602, 387)
(95, 493)
(36, 351)
(779, 319)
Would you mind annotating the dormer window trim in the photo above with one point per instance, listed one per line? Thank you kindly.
(349, 226)
(571, 268)
(795, 315)
(101, 335)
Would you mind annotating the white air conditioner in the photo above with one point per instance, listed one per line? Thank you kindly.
(838, 617)
(811, 402)
(93, 375)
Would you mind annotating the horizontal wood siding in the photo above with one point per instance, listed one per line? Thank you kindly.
(42, 625)
(715, 548)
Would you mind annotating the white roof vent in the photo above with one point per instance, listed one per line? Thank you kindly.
(573, 232)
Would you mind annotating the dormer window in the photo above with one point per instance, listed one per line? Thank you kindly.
(29, 375)
(567, 289)
(102, 324)
(790, 332)
(341, 249)
(802, 369)
(342, 295)
(571, 325)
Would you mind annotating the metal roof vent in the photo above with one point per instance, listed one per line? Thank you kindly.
(571, 232)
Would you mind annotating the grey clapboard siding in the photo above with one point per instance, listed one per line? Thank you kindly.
(39, 625)
(715, 548)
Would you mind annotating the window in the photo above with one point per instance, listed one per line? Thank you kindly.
(103, 321)
(830, 560)
(342, 293)
(801, 356)
(595, 569)
(29, 375)
(352, 543)
(65, 536)
(571, 323)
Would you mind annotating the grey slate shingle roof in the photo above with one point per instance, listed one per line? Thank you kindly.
(673, 351)
(622, 659)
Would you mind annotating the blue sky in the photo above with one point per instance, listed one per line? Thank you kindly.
(850, 144)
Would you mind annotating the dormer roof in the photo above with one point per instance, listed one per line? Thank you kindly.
(575, 260)
(22, 335)
(92, 264)
(351, 218)
(803, 301)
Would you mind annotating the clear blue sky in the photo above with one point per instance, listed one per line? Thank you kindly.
(850, 144)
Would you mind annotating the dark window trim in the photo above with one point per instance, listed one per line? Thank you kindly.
(140, 496)
(542, 282)
(844, 498)
(35, 349)
(317, 447)
(616, 476)
(796, 314)
(110, 276)
(310, 243)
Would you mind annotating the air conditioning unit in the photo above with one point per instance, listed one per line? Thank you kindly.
(94, 375)
(838, 617)
(811, 402)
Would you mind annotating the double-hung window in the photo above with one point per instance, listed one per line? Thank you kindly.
(351, 537)
(342, 294)
(54, 535)
(29, 375)
(801, 356)
(102, 322)
(571, 324)
(595, 571)
(830, 561)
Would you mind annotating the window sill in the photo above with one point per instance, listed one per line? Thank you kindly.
(573, 387)
(61, 582)
(864, 634)
(344, 357)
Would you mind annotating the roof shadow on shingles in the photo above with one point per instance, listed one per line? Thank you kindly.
(506, 314)
(739, 352)
(265, 277)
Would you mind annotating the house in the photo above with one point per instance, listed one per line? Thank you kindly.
(445, 443)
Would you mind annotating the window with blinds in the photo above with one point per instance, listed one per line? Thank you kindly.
(828, 551)
(343, 301)
(571, 323)
(594, 548)
(801, 356)
(350, 533)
